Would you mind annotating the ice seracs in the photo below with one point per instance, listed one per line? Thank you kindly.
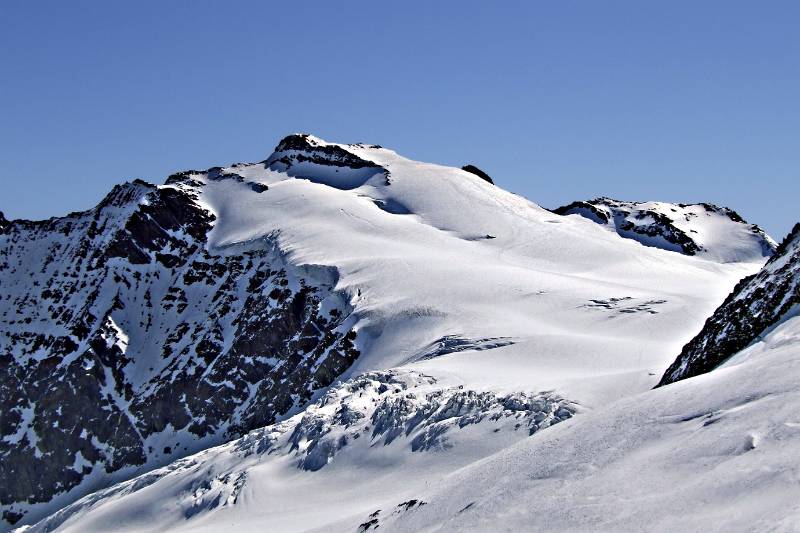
(373, 422)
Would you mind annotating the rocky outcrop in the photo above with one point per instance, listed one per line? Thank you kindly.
(472, 169)
(303, 147)
(306, 157)
(757, 304)
(691, 229)
(126, 342)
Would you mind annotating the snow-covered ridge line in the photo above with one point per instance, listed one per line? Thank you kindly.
(704, 229)
(756, 305)
(304, 147)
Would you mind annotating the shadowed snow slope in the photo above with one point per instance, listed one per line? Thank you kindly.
(461, 320)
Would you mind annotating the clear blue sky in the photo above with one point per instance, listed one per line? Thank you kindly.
(557, 100)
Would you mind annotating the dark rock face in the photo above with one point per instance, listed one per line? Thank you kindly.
(757, 303)
(305, 157)
(303, 148)
(472, 169)
(125, 342)
(657, 225)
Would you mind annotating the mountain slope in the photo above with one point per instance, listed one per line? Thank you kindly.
(756, 305)
(172, 318)
(712, 453)
(717, 233)
(127, 344)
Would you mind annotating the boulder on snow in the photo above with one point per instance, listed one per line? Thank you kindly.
(472, 169)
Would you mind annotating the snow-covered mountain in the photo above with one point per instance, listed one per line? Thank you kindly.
(714, 232)
(361, 325)
(126, 344)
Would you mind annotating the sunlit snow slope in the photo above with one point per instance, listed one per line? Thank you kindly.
(713, 453)
(481, 320)
(429, 253)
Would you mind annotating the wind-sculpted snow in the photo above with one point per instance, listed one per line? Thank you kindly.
(717, 233)
(405, 410)
(755, 306)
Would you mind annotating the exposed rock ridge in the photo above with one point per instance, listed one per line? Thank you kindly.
(757, 303)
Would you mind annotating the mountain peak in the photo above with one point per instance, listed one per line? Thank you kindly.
(299, 141)
(305, 156)
(792, 239)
